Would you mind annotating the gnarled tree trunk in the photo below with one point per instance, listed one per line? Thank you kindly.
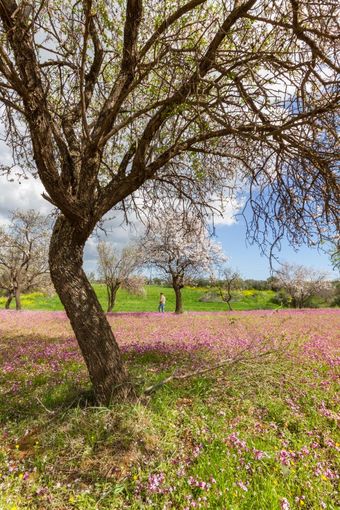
(17, 299)
(111, 296)
(92, 330)
(178, 286)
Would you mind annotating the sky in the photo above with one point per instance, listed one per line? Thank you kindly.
(230, 233)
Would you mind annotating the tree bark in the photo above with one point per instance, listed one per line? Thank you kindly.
(92, 330)
(179, 304)
(112, 293)
(17, 299)
(226, 298)
(8, 302)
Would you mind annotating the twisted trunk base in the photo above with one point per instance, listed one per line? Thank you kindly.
(93, 332)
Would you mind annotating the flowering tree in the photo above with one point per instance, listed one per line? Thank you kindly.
(178, 245)
(24, 255)
(101, 99)
(301, 283)
(116, 268)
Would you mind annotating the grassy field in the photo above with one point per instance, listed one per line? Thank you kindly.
(256, 435)
(250, 300)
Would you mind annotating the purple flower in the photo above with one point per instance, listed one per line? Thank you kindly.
(259, 454)
(242, 486)
(284, 504)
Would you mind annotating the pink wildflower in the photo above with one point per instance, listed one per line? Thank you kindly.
(284, 504)
(242, 486)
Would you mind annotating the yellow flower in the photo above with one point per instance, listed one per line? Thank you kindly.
(21, 476)
(324, 478)
(302, 502)
(17, 446)
(71, 499)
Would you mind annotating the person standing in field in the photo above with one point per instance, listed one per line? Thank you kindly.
(162, 300)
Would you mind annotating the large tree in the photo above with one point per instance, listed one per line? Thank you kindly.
(178, 245)
(116, 268)
(24, 255)
(101, 99)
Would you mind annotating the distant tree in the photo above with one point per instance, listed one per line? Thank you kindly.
(336, 290)
(91, 276)
(202, 282)
(178, 245)
(273, 283)
(301, 283)
(251, 283)
(229, 281)
(24, 255)
(115, 269)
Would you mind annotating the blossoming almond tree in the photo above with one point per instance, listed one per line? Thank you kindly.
(301, 283)
(179, 247)
(101, 99)
(24, 255)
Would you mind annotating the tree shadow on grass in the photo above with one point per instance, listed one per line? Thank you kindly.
(42, 377)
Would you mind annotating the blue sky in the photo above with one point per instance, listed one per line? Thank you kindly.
(251, 264)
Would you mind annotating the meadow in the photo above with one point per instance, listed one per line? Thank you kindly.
(260, 433)
(246, 300)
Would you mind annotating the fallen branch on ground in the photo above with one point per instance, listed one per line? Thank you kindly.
(228, 361)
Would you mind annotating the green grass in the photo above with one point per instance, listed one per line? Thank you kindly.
(82, 457)
(250, 300)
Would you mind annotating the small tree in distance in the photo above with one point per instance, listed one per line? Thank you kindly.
(24, 255)
(179, 247)
(115, 269)
(230, 280)
(301, 283)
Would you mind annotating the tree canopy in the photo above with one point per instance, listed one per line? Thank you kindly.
(106, 98)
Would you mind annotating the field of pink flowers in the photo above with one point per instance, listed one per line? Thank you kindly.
(261, 434)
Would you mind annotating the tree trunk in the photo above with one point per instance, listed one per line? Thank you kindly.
(112, 294)
(17, 299)
(179, 304)
(226, 298)
(8, 302)
(89, 323)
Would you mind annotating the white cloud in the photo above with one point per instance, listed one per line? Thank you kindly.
(23, 195)
(229, 210)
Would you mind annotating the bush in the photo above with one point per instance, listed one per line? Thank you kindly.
(282, 298)
(210, 297)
